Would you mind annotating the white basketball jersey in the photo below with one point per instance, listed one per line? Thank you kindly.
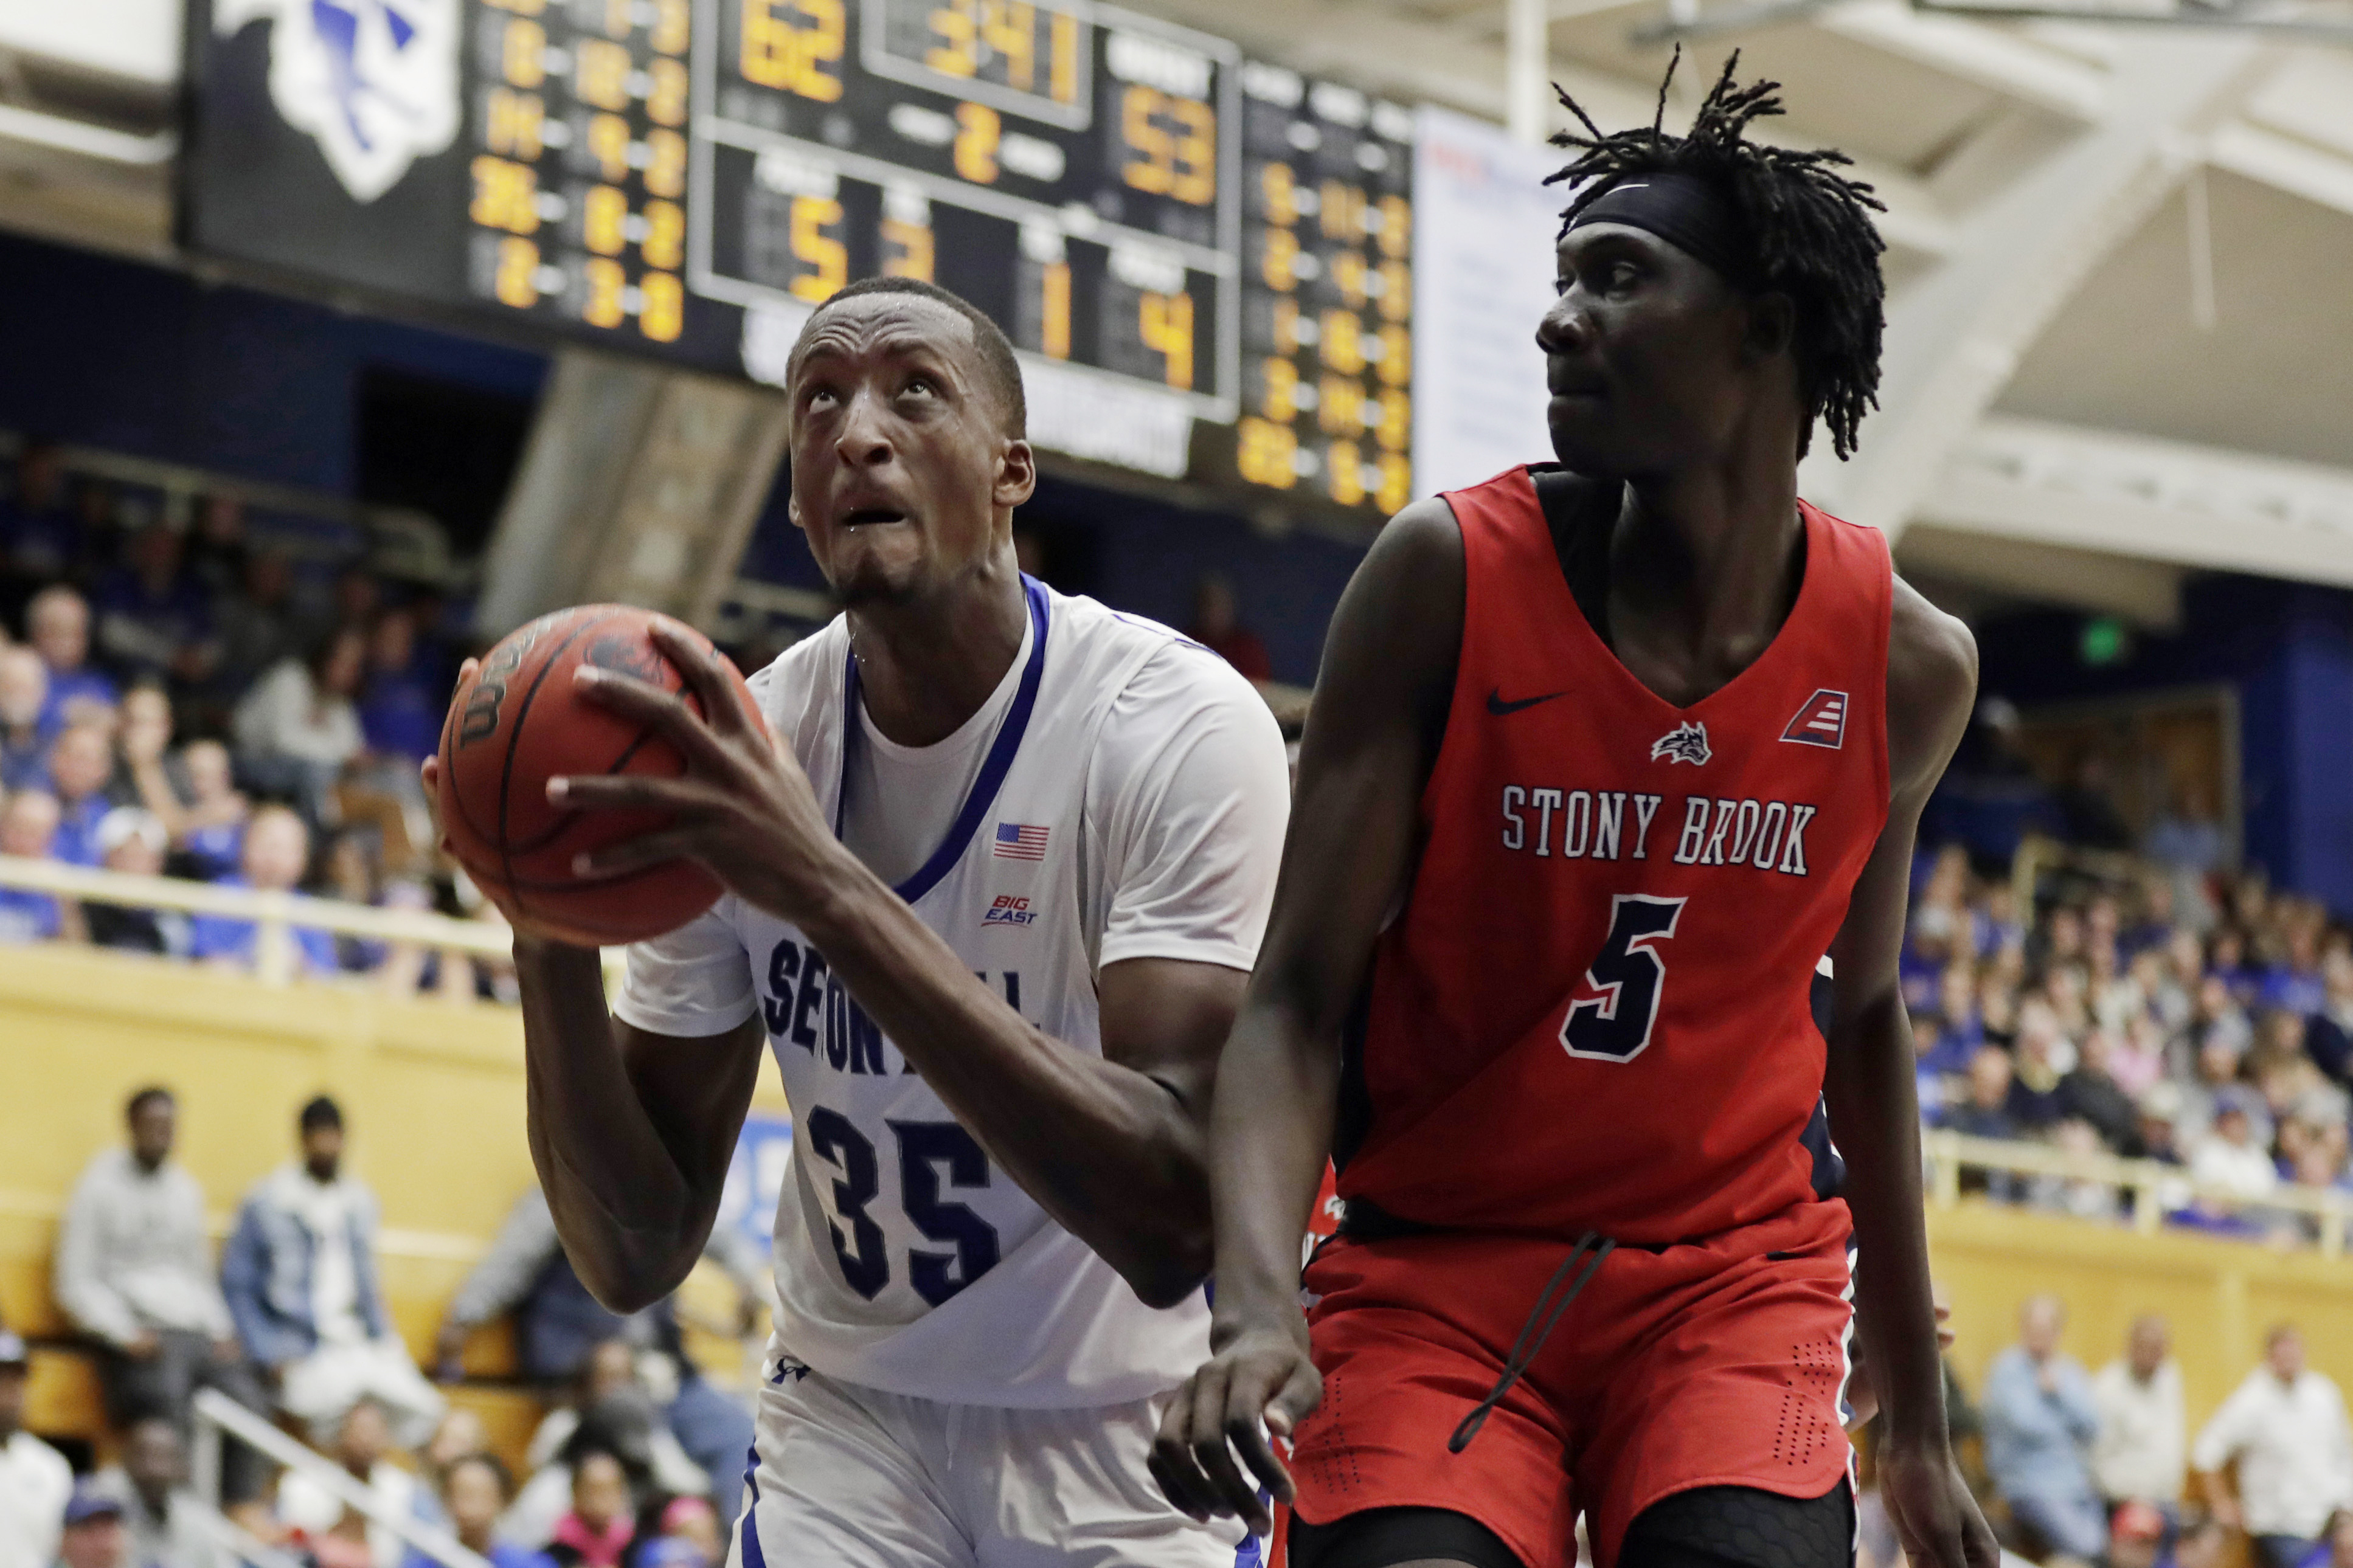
(905, 1260)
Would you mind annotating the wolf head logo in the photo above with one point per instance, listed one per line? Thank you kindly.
(373, 82)
(1683, 743)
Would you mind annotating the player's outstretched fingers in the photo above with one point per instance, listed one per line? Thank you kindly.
(1171, 1463)
(648, 704)
(704, 670)
(1301, 1392)
(1221, 1397)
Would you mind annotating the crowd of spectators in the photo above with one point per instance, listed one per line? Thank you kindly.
(2205, 1023)
(637, 1461)
(180, 696)
(2083, 1467)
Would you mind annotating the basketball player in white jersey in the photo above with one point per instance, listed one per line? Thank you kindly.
(991, 901)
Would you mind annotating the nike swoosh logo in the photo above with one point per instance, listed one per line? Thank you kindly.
(1498, 706)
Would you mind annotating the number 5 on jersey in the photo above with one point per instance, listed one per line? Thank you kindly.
(1629, 973)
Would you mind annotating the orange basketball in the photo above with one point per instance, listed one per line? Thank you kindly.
(515, 723)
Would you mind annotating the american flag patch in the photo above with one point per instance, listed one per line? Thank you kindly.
(1020, 841)
(1820, 722)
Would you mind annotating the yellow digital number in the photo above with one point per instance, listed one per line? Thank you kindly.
(672, 29)
(665, 103)
(1054, 317)
(521, 7)
(1339, 406)
(1180, 163)
(665, 164)
(608, 143)
(978, 131)
(1010, 27)
(1343, 210)
(1345, 478)
(1062, 85)
(664, 245)
(790, 56)
(1281, 397)
(506, 195)
(1266, 453)
(1166, 324)
(1279, 194)
(604, 218)
(1396, 227)
(1279, 265)
(1286, 326)
(1397, 355)
(522, 54)
(959, 54)
(605, 283)
(1397, 482)
(906, 249)
(818, 250)
(1348, 275)
(1344, 348)
(515, 119)
(1396, 420)
(662, 307)
(600, 74)
(516, 282)
(1397, 291)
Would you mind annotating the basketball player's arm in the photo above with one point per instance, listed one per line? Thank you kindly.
(1873, 1104)
(630, 1132)
(1372, 735)
(1113, 1146)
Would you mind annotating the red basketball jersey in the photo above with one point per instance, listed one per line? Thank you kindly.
(1593, 1009)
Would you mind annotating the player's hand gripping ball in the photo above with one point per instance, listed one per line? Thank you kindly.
(515, 723)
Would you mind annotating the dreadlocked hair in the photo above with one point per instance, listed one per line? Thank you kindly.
(1814, 238)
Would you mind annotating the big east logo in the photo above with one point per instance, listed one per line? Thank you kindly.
(1008, 910)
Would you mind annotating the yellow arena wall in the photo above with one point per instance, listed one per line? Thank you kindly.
(434, 1097)
(432, 1094)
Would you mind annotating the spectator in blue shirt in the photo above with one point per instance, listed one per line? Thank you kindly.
(24, 692)
(28, 824)
(401, 704)
(153, 619)
(2041, 1420)
(56, 623)
(277, 853)
(81, 766)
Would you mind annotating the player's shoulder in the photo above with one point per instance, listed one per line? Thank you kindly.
(792, 688)
(1932, 682)
(1155, 688)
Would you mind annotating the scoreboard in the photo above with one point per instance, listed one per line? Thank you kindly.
(1163, 229)
(1063, 166)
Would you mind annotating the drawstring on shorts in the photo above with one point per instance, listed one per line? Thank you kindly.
(1591, 1249)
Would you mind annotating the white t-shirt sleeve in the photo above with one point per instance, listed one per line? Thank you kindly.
(696, 981)
(1195, 793)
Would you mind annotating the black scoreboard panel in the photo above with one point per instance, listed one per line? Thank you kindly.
(679, 178)
(1068, 168)
(577, 157)
(1328, 290)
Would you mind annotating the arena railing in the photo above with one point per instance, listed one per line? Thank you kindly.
(218, 1416)
(276, 916)
(2145, 1193)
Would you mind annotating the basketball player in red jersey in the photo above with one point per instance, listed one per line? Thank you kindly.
(1605, 758)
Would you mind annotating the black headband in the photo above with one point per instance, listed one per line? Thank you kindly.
(1687, 212)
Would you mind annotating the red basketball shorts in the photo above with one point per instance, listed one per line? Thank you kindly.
(1719, 1363)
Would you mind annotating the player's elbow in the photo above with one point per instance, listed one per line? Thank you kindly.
(1168, 1281)
(626, 1279)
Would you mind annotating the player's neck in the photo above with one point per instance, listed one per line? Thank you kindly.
(925, 666)
(1710, 552)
